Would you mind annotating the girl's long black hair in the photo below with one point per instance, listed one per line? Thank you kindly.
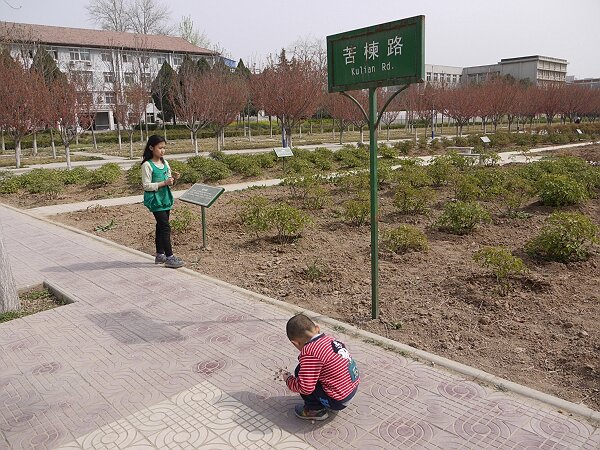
(153, 140)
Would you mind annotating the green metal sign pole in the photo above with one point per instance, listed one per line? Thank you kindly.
(374, 206)
(203, 209)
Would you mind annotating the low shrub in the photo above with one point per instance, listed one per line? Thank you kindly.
(411, 200)
(255, 214)
(133, 175)
(357, 211)
(386, 152)
(77, 175)
(403, 239)
(404, 147)
(10, 185)
(565, 237)
(462, 217)
(43, 181)
(105, 175)
(288, 221)
(502, 264)
(182, 220)
(561, 190)
(466, 188)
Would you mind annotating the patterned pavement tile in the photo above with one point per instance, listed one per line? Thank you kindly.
(128, 367)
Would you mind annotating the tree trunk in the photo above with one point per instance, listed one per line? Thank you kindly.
(68, 155)
(288, 137)
(141, 133)
(18, 153)
(9, 298)
(322, 125)
(195, 137)
(388, 133)
(341, 132)
(131, 144)
(77, 139)
(270, 126)
(218, 140)
(35, 147)
(119, 136)
(52, 143)
(94, 139)
(362, 134)
(3, 142)
(249, 129)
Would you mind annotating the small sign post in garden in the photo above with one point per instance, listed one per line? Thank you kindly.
(283, 152)
(203, 195)
(389, 54)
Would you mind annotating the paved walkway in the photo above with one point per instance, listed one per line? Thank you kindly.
(148, 357)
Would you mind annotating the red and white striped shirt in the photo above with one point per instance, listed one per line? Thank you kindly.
(326, 360)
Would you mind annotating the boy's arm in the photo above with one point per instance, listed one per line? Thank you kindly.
(305, 382)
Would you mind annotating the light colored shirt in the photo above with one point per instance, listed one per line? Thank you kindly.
(147, 175)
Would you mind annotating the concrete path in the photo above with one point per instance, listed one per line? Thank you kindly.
(148, 357)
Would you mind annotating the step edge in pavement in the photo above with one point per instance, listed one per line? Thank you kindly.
(478, 375)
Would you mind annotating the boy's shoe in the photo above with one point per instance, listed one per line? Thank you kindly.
(310, 414)
(173, 262)
(160, 258)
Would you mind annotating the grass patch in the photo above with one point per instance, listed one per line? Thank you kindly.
(33, 301)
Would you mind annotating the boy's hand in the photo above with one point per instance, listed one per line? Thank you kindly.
(282, 374)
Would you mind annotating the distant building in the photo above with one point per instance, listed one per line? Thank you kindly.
(593, 83)
(102, 56)
(537, 69)
(443, 75)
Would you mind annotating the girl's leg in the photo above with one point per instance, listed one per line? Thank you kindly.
(163, 232)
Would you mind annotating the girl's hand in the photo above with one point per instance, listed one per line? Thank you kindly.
(176, 175)
(169, 181)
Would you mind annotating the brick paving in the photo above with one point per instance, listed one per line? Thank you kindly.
(147, 357)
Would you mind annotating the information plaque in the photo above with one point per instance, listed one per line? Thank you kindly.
(202, 194)
(485, 139)
(283, 152)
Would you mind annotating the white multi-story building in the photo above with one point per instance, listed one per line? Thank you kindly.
(443, 75)
(537, 69)
(102, 57)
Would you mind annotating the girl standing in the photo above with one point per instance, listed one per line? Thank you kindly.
(156, 179)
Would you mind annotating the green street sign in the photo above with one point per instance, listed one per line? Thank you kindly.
(389, 54)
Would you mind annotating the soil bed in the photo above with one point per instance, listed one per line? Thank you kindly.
(544, 333)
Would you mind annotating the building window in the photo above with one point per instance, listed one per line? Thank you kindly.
(106, 56)
(177, 60)
(448, 78)
(161, 59)
(145, 78)
(79, 54)
(435, 77)
(454, 78)
(52, 51)
(128, 77)
(109, 98)
(428, 76)
(109, 77)
(127, 57)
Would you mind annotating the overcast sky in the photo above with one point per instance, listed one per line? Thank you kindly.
(457, 32)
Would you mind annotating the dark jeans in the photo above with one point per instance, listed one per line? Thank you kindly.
(318, 399)
(163, 232)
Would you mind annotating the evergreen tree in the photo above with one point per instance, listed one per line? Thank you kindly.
(242, 70)
(161, 86)
(203, 65)
(45, 66)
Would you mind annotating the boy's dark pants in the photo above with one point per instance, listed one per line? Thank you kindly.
(318, 399)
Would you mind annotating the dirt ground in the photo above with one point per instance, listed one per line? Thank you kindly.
(544, 333)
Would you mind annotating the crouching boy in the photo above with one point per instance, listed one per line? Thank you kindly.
(327, 376)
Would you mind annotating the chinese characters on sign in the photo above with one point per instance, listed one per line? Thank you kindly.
(383, 55)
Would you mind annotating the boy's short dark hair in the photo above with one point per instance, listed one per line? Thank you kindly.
(299, 326)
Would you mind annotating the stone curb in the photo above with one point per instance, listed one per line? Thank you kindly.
(388, 344)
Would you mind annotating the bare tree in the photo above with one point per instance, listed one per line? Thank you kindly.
(291, 90)
(149, 17)
(226, 95)
(109, 14)
(19, 90)
(191, 34)
(461, 105)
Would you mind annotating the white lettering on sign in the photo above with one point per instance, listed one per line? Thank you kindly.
(395, 46)
(362, 70)
(349, 53)
(371, 50)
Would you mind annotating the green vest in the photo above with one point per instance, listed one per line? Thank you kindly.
(162, 199)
